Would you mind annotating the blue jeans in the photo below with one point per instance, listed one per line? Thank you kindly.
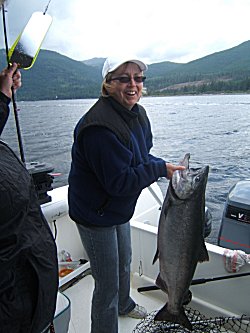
(109, 251)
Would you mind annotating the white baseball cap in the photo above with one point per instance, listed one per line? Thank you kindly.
(112, 63)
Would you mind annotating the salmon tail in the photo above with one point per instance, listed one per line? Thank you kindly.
(181, 318)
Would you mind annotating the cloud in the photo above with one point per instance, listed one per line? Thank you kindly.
(159, 30)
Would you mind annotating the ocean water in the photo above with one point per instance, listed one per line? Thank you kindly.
(214, 129)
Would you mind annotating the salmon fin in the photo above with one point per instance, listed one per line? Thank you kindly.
(203, 253)
(163, 212)
(181, 318)
(160, 283)
(156, 256)
(187, 298)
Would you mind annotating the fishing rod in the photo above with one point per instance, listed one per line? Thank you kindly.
(17, 54)
(155, 195)
(19, 136)
(199, 281)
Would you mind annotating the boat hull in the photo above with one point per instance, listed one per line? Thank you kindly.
(225, 297)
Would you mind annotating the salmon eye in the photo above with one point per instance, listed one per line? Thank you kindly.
(197, 179)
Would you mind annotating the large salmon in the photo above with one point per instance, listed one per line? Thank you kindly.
(181, 239)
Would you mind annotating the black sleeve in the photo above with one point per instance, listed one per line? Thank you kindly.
(4, 110)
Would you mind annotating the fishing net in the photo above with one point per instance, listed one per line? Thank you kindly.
(201, 324)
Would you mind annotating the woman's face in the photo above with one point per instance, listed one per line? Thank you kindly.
(127, 94)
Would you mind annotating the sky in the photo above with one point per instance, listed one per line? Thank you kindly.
(153, 30)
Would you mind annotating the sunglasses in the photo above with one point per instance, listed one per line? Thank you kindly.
(127, 79)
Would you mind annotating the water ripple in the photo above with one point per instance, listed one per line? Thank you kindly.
(214, 129)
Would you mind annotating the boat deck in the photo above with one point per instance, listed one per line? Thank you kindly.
(80, 296)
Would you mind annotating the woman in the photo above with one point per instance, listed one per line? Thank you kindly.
(28, 256)
(111, 165)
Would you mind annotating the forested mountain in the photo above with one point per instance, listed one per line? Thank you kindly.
(225, 71)
(56, 76)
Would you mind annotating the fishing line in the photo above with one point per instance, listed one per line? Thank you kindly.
(46, 8)
(19, 136)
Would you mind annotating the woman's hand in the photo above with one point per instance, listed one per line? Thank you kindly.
(10, 77)
(171, 168)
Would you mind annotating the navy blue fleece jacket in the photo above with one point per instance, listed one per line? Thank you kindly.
(108, 174)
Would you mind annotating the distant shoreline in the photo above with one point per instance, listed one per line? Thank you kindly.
(144, 96)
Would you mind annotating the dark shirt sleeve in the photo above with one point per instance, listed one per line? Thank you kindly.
(111, 162)
(4, 110)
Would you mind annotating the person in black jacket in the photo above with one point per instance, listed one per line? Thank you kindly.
(111, 165)
(28, 255)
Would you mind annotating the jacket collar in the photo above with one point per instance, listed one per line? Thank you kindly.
(124, 112)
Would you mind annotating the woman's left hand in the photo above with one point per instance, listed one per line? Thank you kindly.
(171, 168)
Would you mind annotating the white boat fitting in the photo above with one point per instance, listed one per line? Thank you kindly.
(218, 293)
